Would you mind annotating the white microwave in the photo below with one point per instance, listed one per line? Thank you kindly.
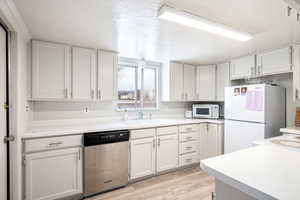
(208, 111)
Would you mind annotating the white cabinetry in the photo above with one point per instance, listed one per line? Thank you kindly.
(296, 73)
(53, 79)
(107, 75)
(83, 73)
(206, 83)
(179, 82)
(211, 140)
(53, 174)
(189, 82)
(50, 70)
(142, 153)
(188, 145)
(274, 62)
(222, 80)
(167, 152)
(243, 67)
(176, 82)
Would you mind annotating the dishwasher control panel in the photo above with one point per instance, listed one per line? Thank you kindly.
(106, 137)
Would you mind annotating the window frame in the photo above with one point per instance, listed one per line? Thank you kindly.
(137, 64)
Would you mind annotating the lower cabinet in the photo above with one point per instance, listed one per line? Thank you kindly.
(142, 157)
(53, 174)
(188, 145)
(161, 149)
(211, 140)
(167, 152)
(153, 153)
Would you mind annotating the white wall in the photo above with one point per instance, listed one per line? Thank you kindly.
(104, 110)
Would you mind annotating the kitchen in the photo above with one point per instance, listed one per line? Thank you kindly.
(127, 99)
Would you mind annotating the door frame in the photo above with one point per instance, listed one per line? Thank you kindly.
(8, 102)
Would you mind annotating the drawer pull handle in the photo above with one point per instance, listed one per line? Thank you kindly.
(189, 160)
(189, 129)
(189, 138)
(54, 144)
(188, 148)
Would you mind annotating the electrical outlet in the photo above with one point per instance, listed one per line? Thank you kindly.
(86, 110)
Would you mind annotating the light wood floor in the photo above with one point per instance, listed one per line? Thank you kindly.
(185, 184)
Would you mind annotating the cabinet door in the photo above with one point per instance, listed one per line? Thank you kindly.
(53, 174)
(203, 129)
(275, 62)
(206, 83)
(83, 73)
(296, 73)
(189, 82)
(167, 152)
(50, 70)
(212, 141)
(176, 82)
(223, 80)
(142, 158)
(242, 67)
(107, 75)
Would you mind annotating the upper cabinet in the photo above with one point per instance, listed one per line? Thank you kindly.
(107, 75)
(222, 80)
(83, 73)
(296, 73)
(56, 75)
(179, 82)
(189, 82)
(176, 82)
(274, 62)
(242, 67)
(50, 70)
(206, 83)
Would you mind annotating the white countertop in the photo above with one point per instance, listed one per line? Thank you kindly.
(291, 130)
(267, 171)
(59, 130)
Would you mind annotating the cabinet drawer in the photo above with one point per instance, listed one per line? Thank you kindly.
(142, 133)
(188, 147)
(167, 130)
(193, 136)
(188, 128)
(52, 143)
(188, 159)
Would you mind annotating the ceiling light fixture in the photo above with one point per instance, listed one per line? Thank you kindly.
(185, 18)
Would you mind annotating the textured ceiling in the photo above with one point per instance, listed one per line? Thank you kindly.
(132, 28)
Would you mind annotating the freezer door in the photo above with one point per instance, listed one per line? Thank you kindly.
(245, 103)
(240, 135)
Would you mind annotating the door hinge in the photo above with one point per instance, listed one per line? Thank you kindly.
(8, 139)
(6, 106)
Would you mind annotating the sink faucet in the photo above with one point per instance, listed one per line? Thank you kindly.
(141, 114)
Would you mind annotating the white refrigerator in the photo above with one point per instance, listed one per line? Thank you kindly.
(252, 112)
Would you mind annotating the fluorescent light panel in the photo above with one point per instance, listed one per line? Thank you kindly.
(187, 19)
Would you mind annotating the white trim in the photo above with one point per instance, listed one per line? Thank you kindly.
(12, 18)
(136, 64)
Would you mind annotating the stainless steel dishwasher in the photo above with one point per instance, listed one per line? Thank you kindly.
(105, 161)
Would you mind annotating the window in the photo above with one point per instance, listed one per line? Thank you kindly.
(137, 86)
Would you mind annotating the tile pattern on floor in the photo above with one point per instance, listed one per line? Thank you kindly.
(185, 184)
